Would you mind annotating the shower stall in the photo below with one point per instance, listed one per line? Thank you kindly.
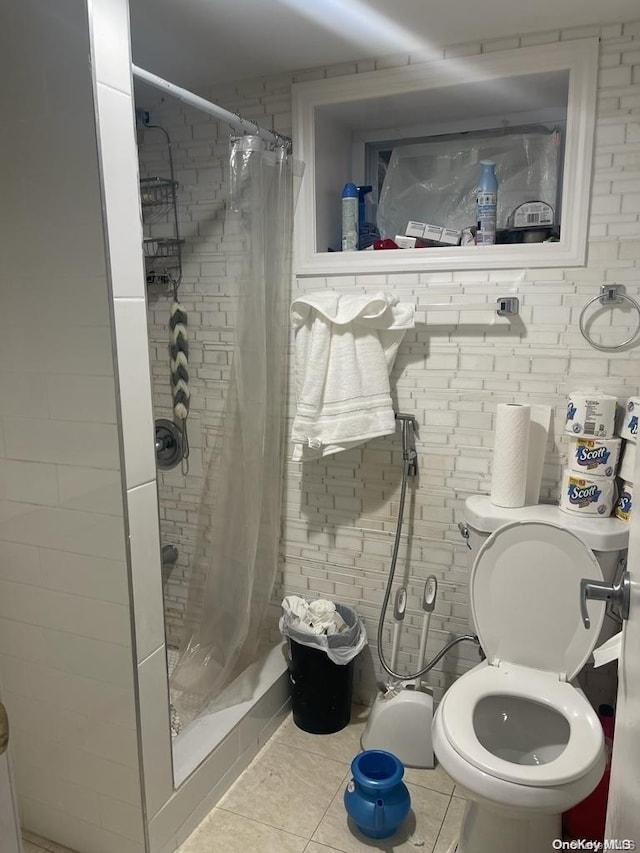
(217, 214)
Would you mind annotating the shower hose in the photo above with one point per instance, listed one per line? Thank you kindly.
(409, 469)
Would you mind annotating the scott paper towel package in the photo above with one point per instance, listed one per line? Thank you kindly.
(624, 504)
(628, 464)
(585, 495)
(591, 414)
(629, 428)
(510, 455)
(599, 456)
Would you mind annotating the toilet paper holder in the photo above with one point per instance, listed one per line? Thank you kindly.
(619, 594)
(609, 295)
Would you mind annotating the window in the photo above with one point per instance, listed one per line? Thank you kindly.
(414, 134)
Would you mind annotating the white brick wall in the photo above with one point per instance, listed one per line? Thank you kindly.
(339, 514)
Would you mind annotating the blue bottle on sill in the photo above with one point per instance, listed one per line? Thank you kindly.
(349, 218)
(487, 204)
(376, 798)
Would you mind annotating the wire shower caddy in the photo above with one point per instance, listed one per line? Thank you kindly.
(159, 201)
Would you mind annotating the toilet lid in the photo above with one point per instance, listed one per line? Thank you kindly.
(525, 597)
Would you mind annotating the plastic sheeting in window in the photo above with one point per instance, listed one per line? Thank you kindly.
(435, 181)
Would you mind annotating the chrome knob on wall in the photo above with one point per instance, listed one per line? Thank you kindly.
(169, 554)
(168, 444)
(619, 594)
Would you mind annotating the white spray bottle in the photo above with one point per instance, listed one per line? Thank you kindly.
(487, 204)
(349, 218)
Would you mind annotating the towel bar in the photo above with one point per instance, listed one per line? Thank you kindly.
(504, 306)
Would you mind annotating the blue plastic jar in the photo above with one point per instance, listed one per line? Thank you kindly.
(376, 798)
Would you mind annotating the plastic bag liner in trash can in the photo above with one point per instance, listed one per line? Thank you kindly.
(321, 672)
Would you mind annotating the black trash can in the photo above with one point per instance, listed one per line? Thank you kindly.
(321, 690)
(321, 669)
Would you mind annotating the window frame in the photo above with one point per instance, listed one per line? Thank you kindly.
(579, 58)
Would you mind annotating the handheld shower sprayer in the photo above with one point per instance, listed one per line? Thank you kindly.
(410, 469)
(401, 716)
(409, 454)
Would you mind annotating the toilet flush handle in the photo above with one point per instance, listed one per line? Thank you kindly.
(465, 533)
(619, 594)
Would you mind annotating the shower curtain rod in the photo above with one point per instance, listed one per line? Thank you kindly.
(214, 110)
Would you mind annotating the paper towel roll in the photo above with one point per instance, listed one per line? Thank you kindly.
(587, 495)
(594, 456)
(510, 455)
(628, 464)
(591, 414)
(538, 434)
(624, 504)
(629, 428)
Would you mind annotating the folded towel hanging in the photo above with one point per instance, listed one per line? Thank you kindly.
(345, 347)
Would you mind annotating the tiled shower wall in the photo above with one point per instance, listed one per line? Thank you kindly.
(340, 513)
(66, 657)
(200, 149)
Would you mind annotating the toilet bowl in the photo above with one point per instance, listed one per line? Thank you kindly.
(514, 733)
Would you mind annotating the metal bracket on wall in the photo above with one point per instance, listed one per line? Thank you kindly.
(611, 293)
(504, 306)
(508, 306)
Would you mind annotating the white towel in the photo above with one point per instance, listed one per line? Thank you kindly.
(345, 346)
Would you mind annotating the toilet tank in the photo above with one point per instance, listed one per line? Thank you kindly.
(607, 537)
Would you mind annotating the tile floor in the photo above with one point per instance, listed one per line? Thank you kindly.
(34, 844)
(289, 800)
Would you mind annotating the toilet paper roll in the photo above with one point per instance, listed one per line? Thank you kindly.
(594, 456)
(624, 504)
(629, 428)
(582, 495)
(591, 414)
(510, 455)
(628, 464)
(610, 650)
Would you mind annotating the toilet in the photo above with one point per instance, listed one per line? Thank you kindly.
(516, 733)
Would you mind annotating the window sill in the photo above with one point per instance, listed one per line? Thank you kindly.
(439, 259)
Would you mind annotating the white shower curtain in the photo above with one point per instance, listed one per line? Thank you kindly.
(239, 526)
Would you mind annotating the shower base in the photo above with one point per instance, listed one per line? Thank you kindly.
(176, 723)
(254, 703)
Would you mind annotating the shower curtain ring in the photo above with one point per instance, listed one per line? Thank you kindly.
(241, 121)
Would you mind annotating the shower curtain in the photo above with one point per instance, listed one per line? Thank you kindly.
(236, 553)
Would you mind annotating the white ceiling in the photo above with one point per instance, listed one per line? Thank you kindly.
(198, 42)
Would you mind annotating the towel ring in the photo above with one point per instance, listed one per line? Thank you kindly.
(610, 294)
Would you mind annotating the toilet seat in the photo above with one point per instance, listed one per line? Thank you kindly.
(583, 749)
(525, 600)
